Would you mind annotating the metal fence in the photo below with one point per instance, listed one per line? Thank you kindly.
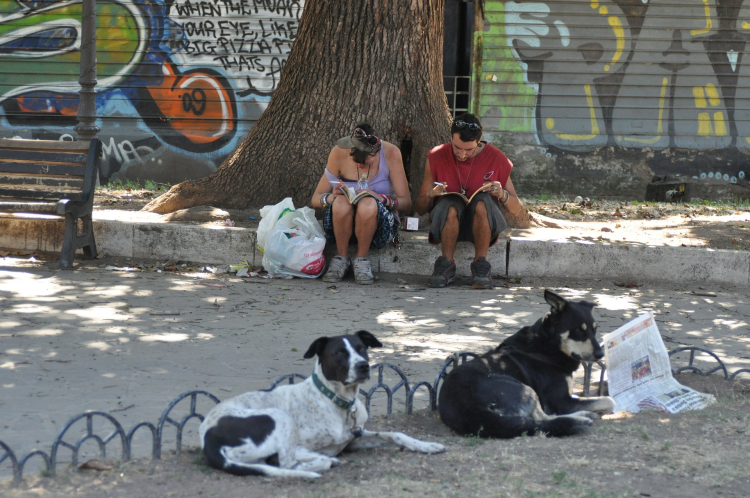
(458, 93)
(168, 418)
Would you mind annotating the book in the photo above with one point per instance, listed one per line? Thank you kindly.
(468, 200)
(354, 197)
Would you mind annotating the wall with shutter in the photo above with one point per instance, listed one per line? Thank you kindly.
(596, 96)
(180, 82)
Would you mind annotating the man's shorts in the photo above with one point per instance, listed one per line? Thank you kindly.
(439, 214)
(388, 223)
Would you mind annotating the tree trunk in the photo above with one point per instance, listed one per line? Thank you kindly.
(375, 61)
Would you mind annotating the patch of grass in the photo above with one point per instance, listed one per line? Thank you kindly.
(199, 462)
(126, 184)
(559, 476)
(666, 446)
(470, 441)
(543, 198)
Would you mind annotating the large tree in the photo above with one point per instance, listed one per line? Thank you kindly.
(376, 61)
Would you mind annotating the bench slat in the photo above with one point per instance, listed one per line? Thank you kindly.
(38, 195)
(42, 169)
(53, 156)
(28, 207)
(42, 182)
(10, 143)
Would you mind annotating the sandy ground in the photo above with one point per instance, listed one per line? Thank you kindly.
(128, 341)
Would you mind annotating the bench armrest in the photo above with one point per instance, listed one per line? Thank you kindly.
(85, 205)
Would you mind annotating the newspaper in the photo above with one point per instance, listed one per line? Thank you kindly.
(639, 373)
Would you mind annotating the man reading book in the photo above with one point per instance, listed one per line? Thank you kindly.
(479, 172)
(361, 190)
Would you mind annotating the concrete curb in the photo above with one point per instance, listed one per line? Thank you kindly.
(514, 256)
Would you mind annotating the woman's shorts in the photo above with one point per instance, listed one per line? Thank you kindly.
(439, 214)
(387, 229)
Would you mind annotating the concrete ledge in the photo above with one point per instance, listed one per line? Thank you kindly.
(529, 257)
(525, 257)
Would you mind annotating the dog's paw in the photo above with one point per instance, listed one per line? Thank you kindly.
(587, 414)
(604, 405)
(431, 448)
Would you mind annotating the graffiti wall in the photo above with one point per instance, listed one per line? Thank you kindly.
(662, 84)
(180, 82)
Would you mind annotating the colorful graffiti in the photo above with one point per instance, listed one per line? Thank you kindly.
(630, 73)
(177, 79)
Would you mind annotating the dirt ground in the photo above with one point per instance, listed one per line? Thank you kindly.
(693, 454)
(690, 454)
(711, 225)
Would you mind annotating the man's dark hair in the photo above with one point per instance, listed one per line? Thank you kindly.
(360, 156)
(464, 133)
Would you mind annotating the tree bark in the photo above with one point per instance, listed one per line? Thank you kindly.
(375, 61)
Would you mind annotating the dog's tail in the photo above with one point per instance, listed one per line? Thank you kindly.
(262, 469)
(565, 425)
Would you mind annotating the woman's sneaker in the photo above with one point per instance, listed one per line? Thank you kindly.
(444, 272)
(481, 275)
(337, 269)
(363, 271)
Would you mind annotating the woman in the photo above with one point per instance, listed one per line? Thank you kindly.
(362, 162)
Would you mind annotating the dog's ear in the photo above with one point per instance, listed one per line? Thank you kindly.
(588, 304)
(368, 339)
(316, 347)
(557, 303)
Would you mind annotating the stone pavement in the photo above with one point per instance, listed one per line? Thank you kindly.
(128, 342)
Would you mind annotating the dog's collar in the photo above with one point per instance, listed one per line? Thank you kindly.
(337, 400)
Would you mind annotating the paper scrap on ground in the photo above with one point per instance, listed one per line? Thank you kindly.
(639, 372)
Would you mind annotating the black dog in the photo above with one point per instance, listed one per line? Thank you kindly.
(523, 385)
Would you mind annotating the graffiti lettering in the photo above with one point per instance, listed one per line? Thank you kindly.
(253, 49)
(124, 152)
(194, 102)
(282, 8)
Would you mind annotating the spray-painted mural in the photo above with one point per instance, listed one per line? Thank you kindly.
(179, 81)
(577, 75)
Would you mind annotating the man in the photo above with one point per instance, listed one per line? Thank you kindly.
(468, 166)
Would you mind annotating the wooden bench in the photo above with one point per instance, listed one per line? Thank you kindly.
(56, 178)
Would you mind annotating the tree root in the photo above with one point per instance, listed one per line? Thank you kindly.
(182, 196)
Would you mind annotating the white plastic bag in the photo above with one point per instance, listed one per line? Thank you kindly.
(295, 246)
(270, 215)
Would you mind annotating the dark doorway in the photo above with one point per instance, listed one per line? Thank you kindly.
(457, 49)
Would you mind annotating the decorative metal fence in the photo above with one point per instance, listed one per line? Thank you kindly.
(157, 431)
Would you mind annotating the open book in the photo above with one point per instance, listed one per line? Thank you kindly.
(467, 200)
(354, 197)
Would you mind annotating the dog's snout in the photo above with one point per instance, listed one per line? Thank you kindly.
(362, 368)
(598, 354)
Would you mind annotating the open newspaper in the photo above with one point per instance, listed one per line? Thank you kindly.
(639, 374)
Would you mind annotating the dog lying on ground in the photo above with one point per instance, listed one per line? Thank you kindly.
(301, 427)
(524, 385)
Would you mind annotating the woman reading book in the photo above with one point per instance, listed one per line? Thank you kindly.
(361, 190)
(464, 183)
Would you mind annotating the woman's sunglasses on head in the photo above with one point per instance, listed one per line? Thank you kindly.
(464, 124)
(362, 136)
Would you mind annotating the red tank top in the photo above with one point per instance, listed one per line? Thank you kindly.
(489, 166)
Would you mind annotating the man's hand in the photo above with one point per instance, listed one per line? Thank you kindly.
(438, 190)
(495, 189)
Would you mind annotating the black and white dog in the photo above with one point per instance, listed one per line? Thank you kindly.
(301, 428)
(524, 385)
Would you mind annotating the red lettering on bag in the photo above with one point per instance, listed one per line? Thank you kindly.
(315, 267)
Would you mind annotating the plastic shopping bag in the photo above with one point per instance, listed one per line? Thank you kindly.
(270, 215)
(295, 246)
